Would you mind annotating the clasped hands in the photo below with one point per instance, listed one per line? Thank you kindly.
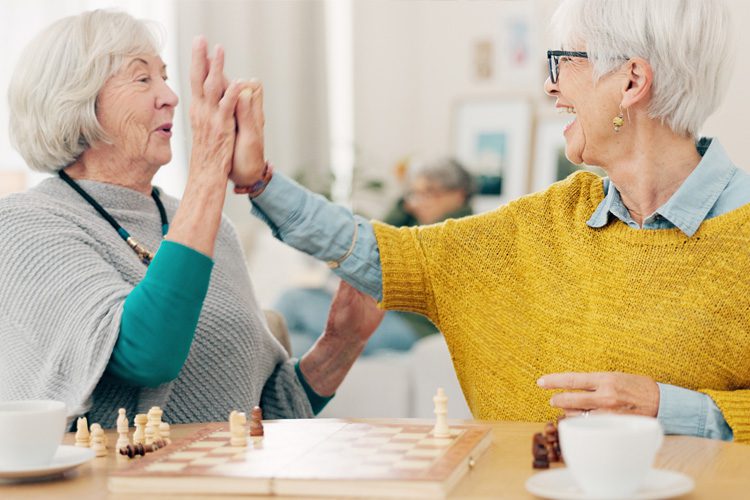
(227, 120)
(602, 392)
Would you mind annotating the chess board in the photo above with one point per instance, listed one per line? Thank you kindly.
(314, 457)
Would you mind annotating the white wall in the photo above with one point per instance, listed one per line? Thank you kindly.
(414, 61)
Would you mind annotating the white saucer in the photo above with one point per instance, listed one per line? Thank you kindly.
(66, 458)
(558, 484)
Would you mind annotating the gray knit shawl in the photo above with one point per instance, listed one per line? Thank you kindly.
(64, 276)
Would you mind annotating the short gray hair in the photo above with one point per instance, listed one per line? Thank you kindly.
(447, 173)
(54, 88)
(687, 42)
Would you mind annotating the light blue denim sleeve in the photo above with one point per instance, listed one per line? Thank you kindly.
(682, 411)
(312, 224)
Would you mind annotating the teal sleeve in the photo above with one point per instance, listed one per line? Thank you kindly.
(160, 316)
(317, 402)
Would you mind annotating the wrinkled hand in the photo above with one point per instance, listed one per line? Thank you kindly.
(353, 316)
(212, 111)
(249, 165)
(603, 392)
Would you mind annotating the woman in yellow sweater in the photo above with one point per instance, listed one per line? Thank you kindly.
(628, 294)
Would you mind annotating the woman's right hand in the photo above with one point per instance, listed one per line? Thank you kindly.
(250, 172)
(212, 112)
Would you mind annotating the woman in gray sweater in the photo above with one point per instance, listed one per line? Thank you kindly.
(113, 294)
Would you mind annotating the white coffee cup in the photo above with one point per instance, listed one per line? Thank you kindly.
(610, 455)
(30, 432)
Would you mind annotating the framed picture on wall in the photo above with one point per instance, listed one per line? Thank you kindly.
(492, 140)
(550, 163)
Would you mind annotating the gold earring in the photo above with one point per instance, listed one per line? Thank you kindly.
(618, 121)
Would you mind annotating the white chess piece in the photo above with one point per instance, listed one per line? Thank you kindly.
(164, 432)
(149, 433)
(237, 422)
(82, 433)
(139, 436)
(122, 430)
(154, 421)
(98, 442)
(441, 429)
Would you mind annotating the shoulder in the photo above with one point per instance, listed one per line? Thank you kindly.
(575, 197)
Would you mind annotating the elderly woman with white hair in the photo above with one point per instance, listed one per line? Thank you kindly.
(88, 314)
(626, 294)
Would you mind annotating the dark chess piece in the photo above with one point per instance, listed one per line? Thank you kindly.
(540, 452)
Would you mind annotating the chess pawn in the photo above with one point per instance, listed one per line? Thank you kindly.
(154, 421)
(164, 432)
(122, 430)
(98, 442)
(139, 436)
(149, 435)
(441, 429)
(256, 424)
(237, 422)
(82, 433)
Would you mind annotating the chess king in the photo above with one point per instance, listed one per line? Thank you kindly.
(625, 294)
(112, 290)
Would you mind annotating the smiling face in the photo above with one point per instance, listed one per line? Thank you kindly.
(135, 108)
(590, 137)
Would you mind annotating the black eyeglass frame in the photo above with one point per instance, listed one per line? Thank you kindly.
(553, 59)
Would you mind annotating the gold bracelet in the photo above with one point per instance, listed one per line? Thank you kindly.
(333, 264)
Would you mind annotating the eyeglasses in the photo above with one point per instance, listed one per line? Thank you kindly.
(553, 58)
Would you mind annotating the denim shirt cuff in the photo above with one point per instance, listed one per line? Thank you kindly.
(682, 411)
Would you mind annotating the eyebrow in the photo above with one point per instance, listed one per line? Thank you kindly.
(143, 61)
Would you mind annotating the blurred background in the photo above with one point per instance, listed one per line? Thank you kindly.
(360, 91)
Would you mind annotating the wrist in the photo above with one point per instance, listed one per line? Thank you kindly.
(256, 188)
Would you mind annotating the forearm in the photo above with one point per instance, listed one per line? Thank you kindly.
(198, 218)
(326, 364)
(314, 225)
(160, 316)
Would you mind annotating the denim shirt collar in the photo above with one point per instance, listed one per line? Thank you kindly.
(688, 206)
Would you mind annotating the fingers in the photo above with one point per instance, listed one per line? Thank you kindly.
(213, 85)
(198, 65)
(576, 401)
(244, 105)
(570, 380)
(228, 102)
(257, 105)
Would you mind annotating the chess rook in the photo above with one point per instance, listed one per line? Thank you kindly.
(237, 422)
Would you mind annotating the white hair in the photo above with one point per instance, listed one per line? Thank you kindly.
(54, 88)
(688, 44)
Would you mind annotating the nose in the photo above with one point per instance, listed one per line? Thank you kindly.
(166, 96)
(550, 88)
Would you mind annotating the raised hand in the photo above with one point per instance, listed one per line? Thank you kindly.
(250, 171)
(212, 111)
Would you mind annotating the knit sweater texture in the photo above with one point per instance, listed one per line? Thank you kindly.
(64, 276)
(530, 289)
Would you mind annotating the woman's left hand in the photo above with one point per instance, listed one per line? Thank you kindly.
(603, 392)
(353, 318)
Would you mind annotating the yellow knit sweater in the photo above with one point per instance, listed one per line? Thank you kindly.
(530, 289)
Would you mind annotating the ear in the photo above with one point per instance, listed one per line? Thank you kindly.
(637, 88)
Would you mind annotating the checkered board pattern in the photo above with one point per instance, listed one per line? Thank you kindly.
(295, 456)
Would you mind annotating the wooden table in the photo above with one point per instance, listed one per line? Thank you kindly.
(721, 470)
